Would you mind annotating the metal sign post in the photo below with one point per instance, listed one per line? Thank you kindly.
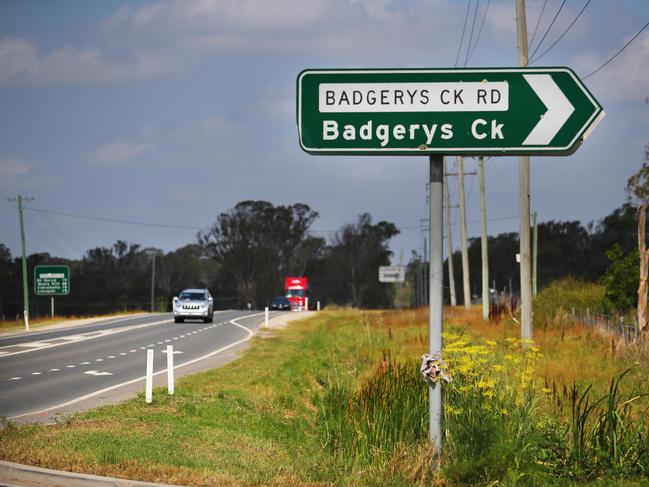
(435, 310)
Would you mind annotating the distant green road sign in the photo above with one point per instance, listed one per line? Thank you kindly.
(486, 111)
(51, 280)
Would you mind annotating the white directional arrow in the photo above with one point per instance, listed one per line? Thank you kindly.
(95, 372)
(559, 109)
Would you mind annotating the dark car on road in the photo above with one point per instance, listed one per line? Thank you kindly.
(280, 303)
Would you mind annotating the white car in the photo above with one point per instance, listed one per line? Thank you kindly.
(194, 303)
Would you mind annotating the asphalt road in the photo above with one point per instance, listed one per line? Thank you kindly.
(46, 370)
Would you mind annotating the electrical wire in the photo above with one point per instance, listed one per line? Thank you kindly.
(538, 22)
(482, 22)
(547, 31)
(111, 220)
(468, 46)
(616, 54)
(466, 18)
(561, 36)
(60, 233)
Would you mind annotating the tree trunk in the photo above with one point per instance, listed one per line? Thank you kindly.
(644, 269)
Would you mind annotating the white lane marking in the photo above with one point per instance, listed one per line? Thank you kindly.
(250, 332)
(111, 356)
(99, 360)
(35, 346)
(15, 378)
(36, 373)
(122, 353)
(182, 336)
(160, 343)
(70, 366)
(54, 370)
(167, 341)
(132, 351)
(142, 348)
(175, 338)
(96, 372)
(84, 363)
(151, 345)
(175, 351)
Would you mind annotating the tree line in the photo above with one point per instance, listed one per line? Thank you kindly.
(243, 258)
(245, 255)
(566, 248)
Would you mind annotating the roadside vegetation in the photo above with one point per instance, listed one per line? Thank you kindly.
(8, 326)
(338, 399)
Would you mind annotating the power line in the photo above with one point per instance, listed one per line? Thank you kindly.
(112, 220)
(617, 53)
(482, 22)
(547, 31)
(538, 21)
(468, 46)
(563, 34)
(60, 233)
(466, 18)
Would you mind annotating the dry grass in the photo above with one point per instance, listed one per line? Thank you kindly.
(35, 323)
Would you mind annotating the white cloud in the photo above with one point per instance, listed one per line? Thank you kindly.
(117, 153)
(625, 78)
(21, 62)
(14, 167)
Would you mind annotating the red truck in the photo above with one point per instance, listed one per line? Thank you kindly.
(296, 290)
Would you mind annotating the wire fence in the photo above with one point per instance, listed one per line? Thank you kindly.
(624, 326)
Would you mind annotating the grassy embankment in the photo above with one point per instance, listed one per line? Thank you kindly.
(338, 399)
(8, 326)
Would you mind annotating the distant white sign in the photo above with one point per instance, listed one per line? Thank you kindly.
(395, 273)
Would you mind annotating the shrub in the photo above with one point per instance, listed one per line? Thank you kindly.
(560, 297)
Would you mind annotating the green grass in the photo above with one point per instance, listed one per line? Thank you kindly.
(337, 399)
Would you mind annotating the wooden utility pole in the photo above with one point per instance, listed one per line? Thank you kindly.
(20, 200)
(466, 286)
(535, 253)
(644, 269)
(483, 244)
(449, 233)
(524, 197)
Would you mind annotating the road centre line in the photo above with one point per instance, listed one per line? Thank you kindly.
(163, 371)
(124, 353)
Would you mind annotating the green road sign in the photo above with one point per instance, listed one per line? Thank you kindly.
(51, 280)
(489, 111)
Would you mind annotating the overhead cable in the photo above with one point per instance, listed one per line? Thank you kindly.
(547, 31)
(538, 22)
(484, 16)
(112, 220)
(459, 47)
(617, 53)
(468, 46)
(561, 36)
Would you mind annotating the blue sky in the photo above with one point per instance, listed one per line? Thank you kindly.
(172, 112)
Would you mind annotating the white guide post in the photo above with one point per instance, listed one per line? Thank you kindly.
(148, 395)
(170, 369)
(266, 317)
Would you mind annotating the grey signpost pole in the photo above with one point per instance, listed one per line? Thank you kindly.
(436, 239)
